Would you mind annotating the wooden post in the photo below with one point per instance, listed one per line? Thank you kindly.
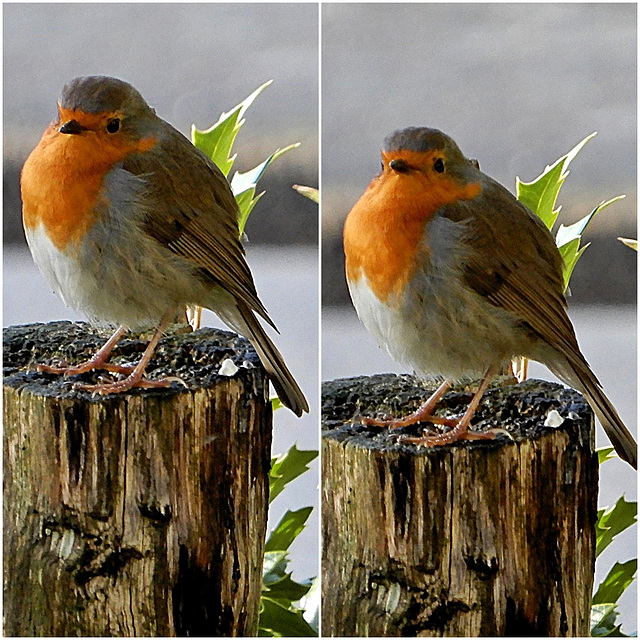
(140, 514)
(474, 539)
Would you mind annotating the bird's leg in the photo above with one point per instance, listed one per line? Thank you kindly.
(98, 361)
(461, 430)
(136, 377)
(423, 414)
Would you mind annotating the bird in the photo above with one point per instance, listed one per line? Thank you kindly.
(129, 223)
(454, 277)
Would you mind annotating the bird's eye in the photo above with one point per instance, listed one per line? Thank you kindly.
(438, 165)
(113, 126)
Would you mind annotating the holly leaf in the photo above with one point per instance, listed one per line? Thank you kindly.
(278, 621)
(614, 585)
(606, 453)
(603, 621)
(568, 239)
(541, 194)
(286, 468)
(308, 192)
(244, 185)
(217, 140)
(287, 530)
(614, 521)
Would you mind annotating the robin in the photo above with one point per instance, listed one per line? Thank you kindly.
(129, 223)
(455, 277)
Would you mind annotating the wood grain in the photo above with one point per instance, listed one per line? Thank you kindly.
(141, 514)
(473, 539)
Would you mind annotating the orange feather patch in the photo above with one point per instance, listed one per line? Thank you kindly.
(384, 229)
(62, 178)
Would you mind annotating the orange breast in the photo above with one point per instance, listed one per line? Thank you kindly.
(63, 178)
(384, 229)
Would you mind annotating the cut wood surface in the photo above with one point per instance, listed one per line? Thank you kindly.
(490, 538)
(138, 514)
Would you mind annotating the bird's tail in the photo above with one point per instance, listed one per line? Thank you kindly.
(578, 374)
(286, 387)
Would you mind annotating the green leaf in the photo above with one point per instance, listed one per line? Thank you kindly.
(279, 621)
(308, 192)
(275, 563)
(244, 185)
(216, 142)
(568, 239)
(540, 195)
(286, 468)
(618, 579)
(285, 591)
(614, 521)
(606, 453)
(570, 253)
(280, 589)
(603, 621)
(246, 201)
(288, 529)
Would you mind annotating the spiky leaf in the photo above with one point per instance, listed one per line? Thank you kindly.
(287, 530)
(216, 141)
(568, 239)
(278, 621)
(308, 192)
(603, 621)
(541, 194)
(614, 521)
(614, 585)
(286, 468)
(606, 453)
(244, 185)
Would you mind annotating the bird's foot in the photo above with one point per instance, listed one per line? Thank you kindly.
(424, 413)
(454, 435)
(413, 418)
(119, 386)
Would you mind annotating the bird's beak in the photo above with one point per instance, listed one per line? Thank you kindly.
(399, 166)
(71, 127)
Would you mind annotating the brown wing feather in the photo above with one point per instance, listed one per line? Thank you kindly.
(509, 276)
(195, 214)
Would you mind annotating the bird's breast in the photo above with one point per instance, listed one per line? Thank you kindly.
(381, 236)
(62, 183)
(384, 233)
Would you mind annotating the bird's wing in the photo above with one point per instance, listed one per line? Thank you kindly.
(192, 212)
(513, 263)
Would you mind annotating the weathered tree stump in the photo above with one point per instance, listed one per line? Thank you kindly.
(139, 514)
(490, 538)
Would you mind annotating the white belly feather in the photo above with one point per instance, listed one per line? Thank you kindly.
(438, 325)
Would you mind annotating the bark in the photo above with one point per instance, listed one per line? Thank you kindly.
(491, 538)
(139, 514)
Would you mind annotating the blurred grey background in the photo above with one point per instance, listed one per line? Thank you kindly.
(191, 62)
(516, 85)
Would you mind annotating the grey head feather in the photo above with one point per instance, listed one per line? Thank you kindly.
(95, 94)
